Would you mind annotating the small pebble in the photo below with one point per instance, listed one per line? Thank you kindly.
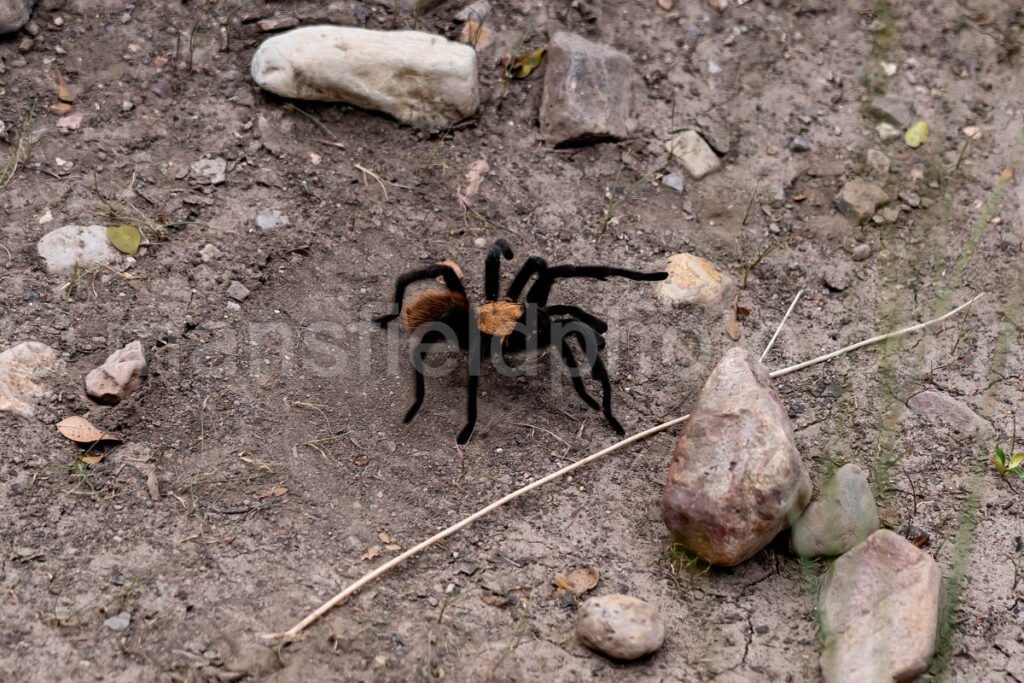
(119, 622)
(887, 131)
(127, 106)
(799, 144)
(271, 220)
(675, 181)
(238, 291)
(861, 252)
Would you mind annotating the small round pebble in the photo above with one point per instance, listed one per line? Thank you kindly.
(620, 626)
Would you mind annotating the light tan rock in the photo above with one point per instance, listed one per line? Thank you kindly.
(694, 153)
(736, 478)
(23, 371)
(121, 374)
(620, 626)
(859, 199)
(419, 78)
(694, 281)
(879, 612)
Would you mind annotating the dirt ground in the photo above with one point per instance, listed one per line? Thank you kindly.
(276, 426)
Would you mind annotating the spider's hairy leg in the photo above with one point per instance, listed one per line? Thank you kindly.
(533, 265)
(474, 363)
(451, 280)
(574, 374)
(541, 289)
(597, 370)
(419, 355)
(578, 313)
(492, 268)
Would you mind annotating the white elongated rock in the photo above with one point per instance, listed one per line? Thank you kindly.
(736, 478)
(86, 245)
(879, 612)
(419, 78)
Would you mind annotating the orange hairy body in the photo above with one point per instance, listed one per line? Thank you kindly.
(431, 306)
(499, 318)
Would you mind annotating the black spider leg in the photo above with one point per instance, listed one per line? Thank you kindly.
(579, 314)
(597, 369)
(451, 280)
(574, 374)
(533, 265)
(474, 362)
(419, 355)
(541, 289)
(492, 268)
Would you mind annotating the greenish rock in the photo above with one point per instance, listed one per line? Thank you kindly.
(844, 516)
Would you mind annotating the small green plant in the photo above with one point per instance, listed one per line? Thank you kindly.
(1012, 462)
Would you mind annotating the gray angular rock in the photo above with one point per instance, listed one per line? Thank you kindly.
(861, 252)
(949, 411)
(694, 153)
(620, 626)
(238, 291)
(859, 199)
(588, 91)
(675, 181)
(844, 516)
(14, 14)
(211, 171)
(85, 245)
(421, 79)
(24, 369)
(121, 374)
(879, 607)
(736, 478)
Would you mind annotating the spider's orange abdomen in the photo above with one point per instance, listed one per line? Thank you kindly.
(431, 306)
(499, 318)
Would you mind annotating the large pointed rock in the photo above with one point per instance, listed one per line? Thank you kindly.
(879, 611)
(736, 478)
(421, 79)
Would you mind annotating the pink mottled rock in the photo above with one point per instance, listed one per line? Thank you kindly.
(736, 478)
(880, 611)
(121, 374)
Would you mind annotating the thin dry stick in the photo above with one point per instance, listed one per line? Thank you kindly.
(779, 328)
(368, 172)
(367, 578)
(873, 340)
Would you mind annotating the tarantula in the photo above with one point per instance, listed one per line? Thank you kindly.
(506, 325)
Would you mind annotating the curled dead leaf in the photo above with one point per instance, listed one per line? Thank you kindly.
(495, 600)
(80, 430)
(523, 65)
(64, 93)
(384, 537)
(578, 582)
(91, 459)
(372, 553)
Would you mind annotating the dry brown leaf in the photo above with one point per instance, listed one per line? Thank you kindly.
(61, 108)
(278, 491)
(80, 430)
(477, 35)
(392, 547)
(64, 93)
(474, 176)
(732, 326)
(494, 600)
(91, 459)
(372, 553)
(384, 537)
(578, 582)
